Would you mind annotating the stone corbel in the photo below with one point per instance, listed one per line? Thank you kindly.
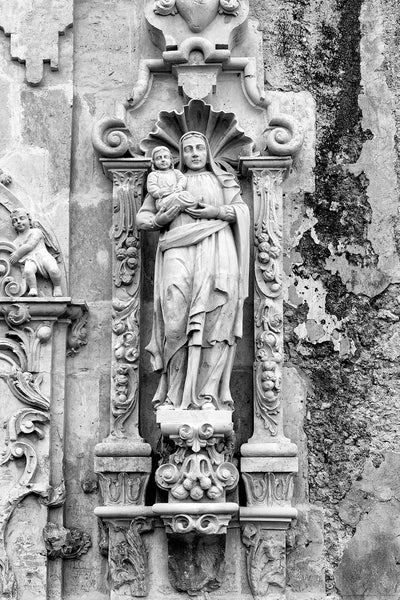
(197, 473)
(269, 459)
(123, 460)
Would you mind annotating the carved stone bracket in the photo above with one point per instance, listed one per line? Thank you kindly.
(200, 468)
(126, 550)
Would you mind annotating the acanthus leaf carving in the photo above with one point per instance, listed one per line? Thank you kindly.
(128, 557)
(265, 561)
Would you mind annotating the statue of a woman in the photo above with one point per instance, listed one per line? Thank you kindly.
(200, 283)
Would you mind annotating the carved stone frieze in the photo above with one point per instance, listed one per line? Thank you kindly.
(128, 557)
(268, 488)
(265, 561)
(207, 524)
(121, 488)
(65, 543)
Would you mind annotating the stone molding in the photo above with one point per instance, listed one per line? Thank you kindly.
(34, 33)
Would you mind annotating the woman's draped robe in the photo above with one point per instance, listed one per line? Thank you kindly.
(201, 278)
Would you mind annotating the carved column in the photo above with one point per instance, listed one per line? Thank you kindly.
(269, 460)
(123, 460)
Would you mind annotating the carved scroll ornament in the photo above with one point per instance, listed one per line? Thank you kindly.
(22, 357)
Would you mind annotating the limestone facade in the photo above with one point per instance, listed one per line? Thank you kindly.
(259, 462)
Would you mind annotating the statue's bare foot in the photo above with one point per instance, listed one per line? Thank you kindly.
(33, 292)
(57, 291)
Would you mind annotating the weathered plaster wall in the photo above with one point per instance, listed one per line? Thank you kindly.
(342, 308)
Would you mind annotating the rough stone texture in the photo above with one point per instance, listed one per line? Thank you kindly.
(342, 324)
(342, 270)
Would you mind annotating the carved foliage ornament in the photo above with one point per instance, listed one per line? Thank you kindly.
(22, 355)
(128, 558)
(65, 543)
(268, 301)
(127, 193)
(266, 560)
(199, 468)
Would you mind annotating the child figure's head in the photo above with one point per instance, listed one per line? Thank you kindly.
(161, 158)
(20, 220)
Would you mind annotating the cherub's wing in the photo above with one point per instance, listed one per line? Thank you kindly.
(49, 240)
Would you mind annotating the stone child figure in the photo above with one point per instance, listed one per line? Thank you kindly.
(200, 283)
(165, 184)
(32, 254)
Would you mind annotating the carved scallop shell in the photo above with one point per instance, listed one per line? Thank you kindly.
(227, 140)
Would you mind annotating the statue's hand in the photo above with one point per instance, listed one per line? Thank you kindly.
(203, 211)
(163, 217)
(13, 258)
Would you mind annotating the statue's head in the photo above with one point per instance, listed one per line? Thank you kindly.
(20, 219)
(195, 153)
(161, 158)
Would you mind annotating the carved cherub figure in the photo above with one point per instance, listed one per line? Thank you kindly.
(31, 252)
(167, 185)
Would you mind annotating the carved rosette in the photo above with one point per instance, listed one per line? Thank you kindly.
(127, 194)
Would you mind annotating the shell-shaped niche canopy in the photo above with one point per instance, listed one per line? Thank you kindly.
(227, 140)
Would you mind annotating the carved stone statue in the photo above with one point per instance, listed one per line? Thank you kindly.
(32, 254)
(200, 283)
(167, 184)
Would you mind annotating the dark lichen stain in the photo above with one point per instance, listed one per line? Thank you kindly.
(324, 58)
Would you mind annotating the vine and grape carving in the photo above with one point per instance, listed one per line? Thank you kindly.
(268, 298)
(127, 193)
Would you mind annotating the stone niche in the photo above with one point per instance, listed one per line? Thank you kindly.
(197, 156)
